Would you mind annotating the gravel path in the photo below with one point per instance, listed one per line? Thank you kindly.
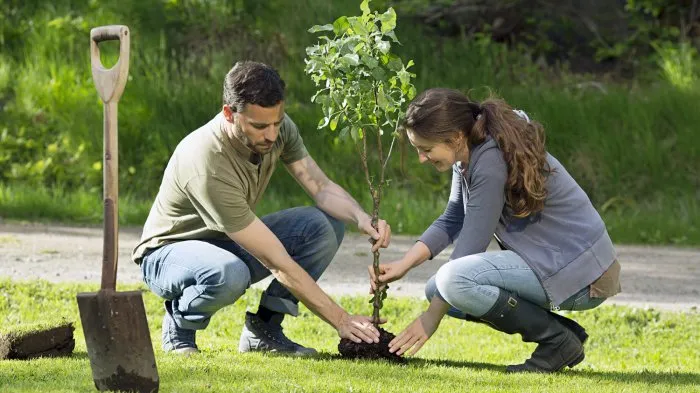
(661, 277)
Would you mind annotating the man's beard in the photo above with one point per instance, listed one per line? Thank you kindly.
(259, 149)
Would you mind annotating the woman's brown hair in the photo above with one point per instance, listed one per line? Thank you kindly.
(439, 114)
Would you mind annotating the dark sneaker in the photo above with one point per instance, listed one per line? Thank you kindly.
(260, 336)
(176, 339)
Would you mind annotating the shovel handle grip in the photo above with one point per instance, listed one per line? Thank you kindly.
(110, 85)
(110, 82)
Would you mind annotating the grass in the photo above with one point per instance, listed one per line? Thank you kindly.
(630, 350)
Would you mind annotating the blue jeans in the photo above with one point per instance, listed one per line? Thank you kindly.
(471, 284)
(202, 276)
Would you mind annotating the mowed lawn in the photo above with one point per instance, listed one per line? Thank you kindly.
(630, 350)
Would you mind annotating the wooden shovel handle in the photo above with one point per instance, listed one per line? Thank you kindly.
(110, 85)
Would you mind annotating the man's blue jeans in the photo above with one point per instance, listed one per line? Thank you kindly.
(202, 276)
(471, 284)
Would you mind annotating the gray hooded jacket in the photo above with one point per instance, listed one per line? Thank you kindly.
(566, 244)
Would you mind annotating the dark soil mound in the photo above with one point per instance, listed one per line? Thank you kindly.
(351, 350)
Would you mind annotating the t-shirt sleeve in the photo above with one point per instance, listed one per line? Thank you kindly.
(294, 149)
(221, 205)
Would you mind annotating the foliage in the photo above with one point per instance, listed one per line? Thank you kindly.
(633, 141)
(364, 85)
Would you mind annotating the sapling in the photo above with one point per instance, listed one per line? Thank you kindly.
(363, 89)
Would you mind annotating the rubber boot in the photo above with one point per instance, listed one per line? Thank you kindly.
(558, 346)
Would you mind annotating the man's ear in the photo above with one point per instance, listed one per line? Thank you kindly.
(228, 113)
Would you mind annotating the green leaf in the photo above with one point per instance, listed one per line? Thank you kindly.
(404, 76)
(384, 102)
(409, 64)
(323, 122)
(351, 59)
(411, 92)
(364, 6)
(317, 28)
(341, 25)
(359, 26)
(344, 132)
(334, 123)
(394, 63)
(355, 133)
(393, 37)
(378, 73)
(388, 20)
(383, 46)
(370, 61)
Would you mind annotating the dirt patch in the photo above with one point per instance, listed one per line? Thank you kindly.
(54, 342)
(661, 277)
(352, 350)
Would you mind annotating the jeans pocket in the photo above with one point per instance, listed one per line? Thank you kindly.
(584, 301)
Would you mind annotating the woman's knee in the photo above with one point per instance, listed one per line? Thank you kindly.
(430, 288)
(456, 278)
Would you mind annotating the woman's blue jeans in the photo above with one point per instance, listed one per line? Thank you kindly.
(202, 276)
(471, 284)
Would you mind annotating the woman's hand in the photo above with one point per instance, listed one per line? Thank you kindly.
(388, 272)
(415, 335)
(418, 332)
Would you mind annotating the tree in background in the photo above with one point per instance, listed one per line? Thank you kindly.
(363, 88)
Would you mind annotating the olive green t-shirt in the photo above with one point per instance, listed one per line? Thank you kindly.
(211, 185)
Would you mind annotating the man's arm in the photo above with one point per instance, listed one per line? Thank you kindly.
(335, 201)
(259, 241)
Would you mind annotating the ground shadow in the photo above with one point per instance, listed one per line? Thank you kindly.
(647, 377)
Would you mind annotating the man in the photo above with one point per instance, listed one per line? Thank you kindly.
(202, 245)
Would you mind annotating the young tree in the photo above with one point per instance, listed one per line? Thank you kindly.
(363, 89)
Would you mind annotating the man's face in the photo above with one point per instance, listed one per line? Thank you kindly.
(258, 127)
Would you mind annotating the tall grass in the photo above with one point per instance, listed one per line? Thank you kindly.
(633, 148)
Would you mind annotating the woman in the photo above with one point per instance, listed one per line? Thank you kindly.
(555, 251)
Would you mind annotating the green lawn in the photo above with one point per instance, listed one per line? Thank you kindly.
(630, 350)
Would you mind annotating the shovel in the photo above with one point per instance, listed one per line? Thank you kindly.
(114, 323)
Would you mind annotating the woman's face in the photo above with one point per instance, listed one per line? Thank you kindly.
(441, 154)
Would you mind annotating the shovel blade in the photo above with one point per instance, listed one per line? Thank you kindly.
(118, 341)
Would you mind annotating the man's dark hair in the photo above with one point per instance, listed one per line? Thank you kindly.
(250, 82)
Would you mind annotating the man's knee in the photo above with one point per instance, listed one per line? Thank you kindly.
(227, 281)
(326, 225)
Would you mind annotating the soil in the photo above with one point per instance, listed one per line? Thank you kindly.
(55, 342)
(352, 350)
(660, 277)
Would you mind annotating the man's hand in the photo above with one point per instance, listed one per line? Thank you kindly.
(388, 272)
(381, 236)
(359, 328)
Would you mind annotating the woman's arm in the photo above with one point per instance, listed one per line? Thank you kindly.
(485, 204)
